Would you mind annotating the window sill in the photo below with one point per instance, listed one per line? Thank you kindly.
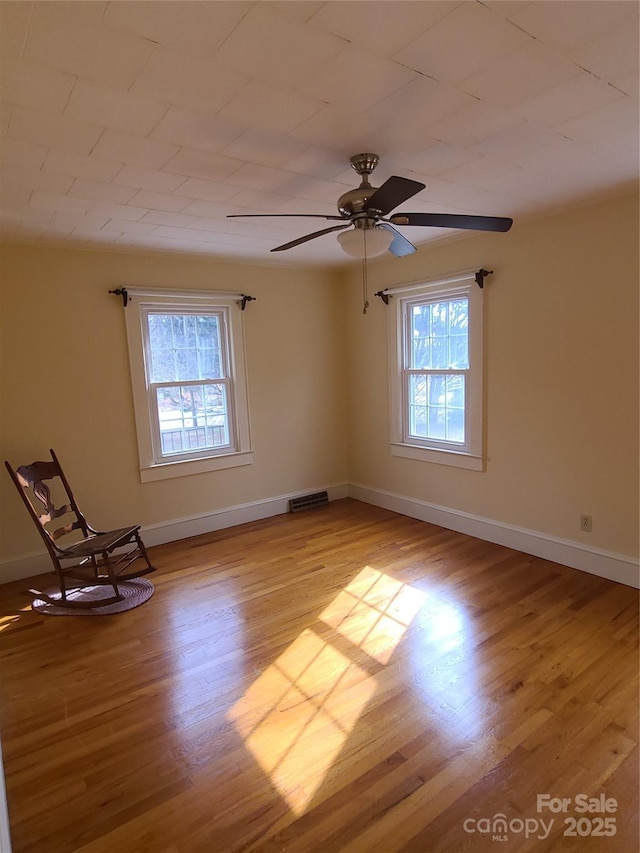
(188, 467)
(454, 458)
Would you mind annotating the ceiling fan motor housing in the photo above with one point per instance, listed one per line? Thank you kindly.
(352, 203)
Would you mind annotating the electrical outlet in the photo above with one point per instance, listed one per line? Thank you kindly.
(585, 523)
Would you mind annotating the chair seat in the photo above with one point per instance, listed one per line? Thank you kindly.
(100, 542)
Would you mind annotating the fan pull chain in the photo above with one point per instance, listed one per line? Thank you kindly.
(365, 301)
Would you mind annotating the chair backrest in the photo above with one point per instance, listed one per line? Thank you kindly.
(61, 514)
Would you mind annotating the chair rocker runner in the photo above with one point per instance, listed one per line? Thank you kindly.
(97, 558)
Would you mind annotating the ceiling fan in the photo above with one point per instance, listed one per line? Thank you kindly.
(364, 211)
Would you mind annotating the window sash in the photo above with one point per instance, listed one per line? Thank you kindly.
(403, 440)
(223, 328)
(445, 442)
(159, 454)
(208, 448)
(432, 337)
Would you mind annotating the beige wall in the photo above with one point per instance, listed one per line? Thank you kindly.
(561, 395)
(65, 384)
(561, 390)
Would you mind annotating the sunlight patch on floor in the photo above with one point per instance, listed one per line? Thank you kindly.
(444, 622)
(6, 621)
(298, 714)
(374, 612)
(445, 668)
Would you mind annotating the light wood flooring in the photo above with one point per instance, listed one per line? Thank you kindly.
(345, 679)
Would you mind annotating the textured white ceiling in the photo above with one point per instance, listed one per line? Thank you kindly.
(143, 124)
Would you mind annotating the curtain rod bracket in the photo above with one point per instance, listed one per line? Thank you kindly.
(384, 296)
(122, 291)
(480, 276)
(244, 299)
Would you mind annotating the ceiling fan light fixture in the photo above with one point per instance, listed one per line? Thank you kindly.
(353, 242)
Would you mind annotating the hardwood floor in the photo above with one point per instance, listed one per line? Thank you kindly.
(345, 679)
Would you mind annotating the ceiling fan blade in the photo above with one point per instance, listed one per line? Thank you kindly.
(453, 220)
(310, 237)
(393, 192)
(308, 215)
(399, 246)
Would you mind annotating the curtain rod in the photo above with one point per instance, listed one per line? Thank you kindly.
(126, 292)
(477, 275)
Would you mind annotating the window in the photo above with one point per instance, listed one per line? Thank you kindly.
(188, 374)
(436, 372)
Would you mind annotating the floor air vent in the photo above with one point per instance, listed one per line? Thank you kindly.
(308, 501)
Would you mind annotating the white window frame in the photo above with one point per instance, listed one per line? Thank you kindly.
(470, 453)
(142, 303)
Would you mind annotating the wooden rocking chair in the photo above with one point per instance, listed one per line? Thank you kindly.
(97, 558)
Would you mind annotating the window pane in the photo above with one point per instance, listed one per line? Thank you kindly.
(439, 319)
(458, 351)
(435, 422)
(160, 331)
(439, 335)
(209, 363)
(437, 390)
(192, 417)
(437, 407)
(184, 330)
(207, 331)
(185, 347)
(161, 345)
(455, 425)
(455, 391)
(418, 406)
(420, 339)
(187, 363)
(439, 353)
(458, 316)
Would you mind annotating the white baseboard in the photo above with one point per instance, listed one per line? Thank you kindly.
(182, 528)
(605, 564)
(37, 563)
(179, 528)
